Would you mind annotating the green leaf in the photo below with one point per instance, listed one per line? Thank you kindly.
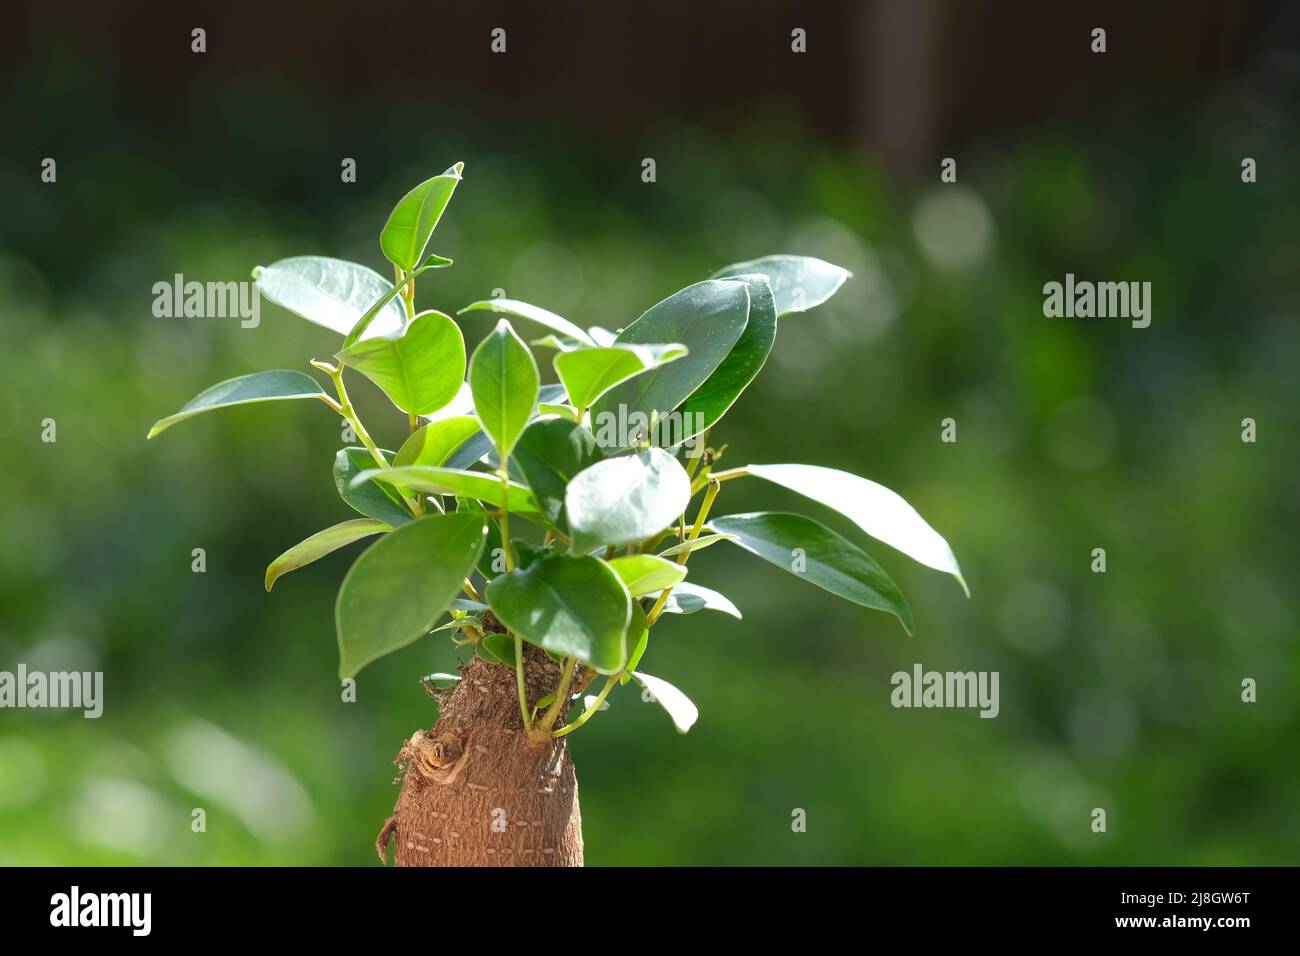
(504, 381)
(550, 452)
(321, 544)
(687, 598)
(400, 586)
(875, 509)
(678, 705)
(496, 648)
(799, 283)
(419, 367)
(710, 401)
(626, 499)
(589, 373)
(433, 444)
(566, 412)
(699, 544)
(708, 318)
(414, 218)
(330, 292)
(646, 573)
(274, 386)
(491, 543)
(454, 481)
(533, 313)
(371, 499)
(817, 554)
(573, 606)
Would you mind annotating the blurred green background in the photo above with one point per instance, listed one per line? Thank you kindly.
(1118, 690)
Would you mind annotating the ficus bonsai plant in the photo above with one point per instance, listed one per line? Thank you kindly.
(552, 525)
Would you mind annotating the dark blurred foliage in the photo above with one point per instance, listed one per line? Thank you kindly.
(1119, 690)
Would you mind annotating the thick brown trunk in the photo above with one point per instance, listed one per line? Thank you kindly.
(476, 791)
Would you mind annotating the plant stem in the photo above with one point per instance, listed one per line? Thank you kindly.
(350, 413)
(472, 591)
(715, 485)
(519, 680)
(561, 701)
(595, 706)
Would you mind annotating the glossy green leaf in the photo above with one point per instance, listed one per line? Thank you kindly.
(687, 598)
(589, 373)
(334, 293)
(708, 318)
(400, 586)
(549, 454)
(626, 499)
(414, 218)
(875, 509)
(496, 648)
(274, 386)
(504, 381)
(369, 498)
(433, 444)
(453, 481)
(710, 401)
(799, 283)
(572, 606)
(817, 554)
(533, 313)
(698, 544)
(321, 544)
(678, 705)
(647, 573)
(567, 412)
(420, 367)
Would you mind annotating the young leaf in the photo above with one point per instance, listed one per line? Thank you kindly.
(566, 412)
(708, 318)
(549, 453)
(496, 649)
(677, 704)
(819, 555)
(419, 367)
(400, 586)
(799, 283)
(533, 313)
(573, 606)
(589, 373)
(274, 386)
(453, 481)
(370, 499)
(626, 499)
(698, 544)
(330, 292)
(875, 509)
(433, 444)
(710, 401)
(504, 381)
(321, 544)
(646, 573)
(414, 218)
(687, 598)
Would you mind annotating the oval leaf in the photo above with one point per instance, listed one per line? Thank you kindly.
(274, 386)
(414, 218)
(588, 374)
(533, 313)
(646, 573)
(827, 560)
(571, 606)
(400, 586)
(504, 382)
(454, 481)
(799, 283)
(321, 544)
(334, 293)
(549, 454)
(678, 705)
(708, 318)
(434, 443)
(420, 367)
(626, 499)
(687, 598)
(875, 509)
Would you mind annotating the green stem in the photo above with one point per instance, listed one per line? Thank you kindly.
(519, 680)
(715, 485)
(595, 706)
(561, 695)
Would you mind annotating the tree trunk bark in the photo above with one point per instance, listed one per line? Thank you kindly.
(476, 791)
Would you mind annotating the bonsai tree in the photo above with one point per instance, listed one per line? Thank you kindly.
(551, 524)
